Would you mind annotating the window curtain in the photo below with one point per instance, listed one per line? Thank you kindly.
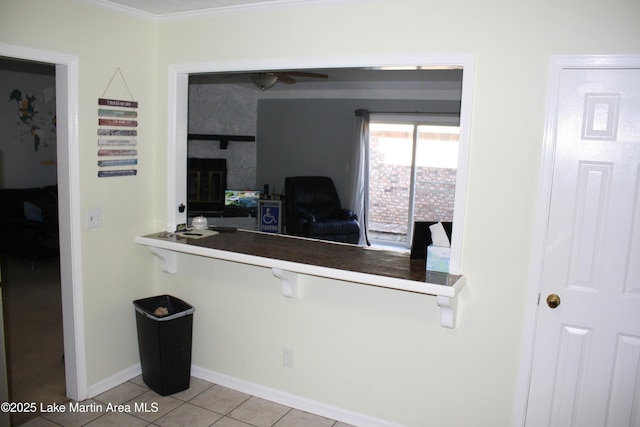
(358, 182)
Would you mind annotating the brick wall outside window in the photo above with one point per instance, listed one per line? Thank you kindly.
(389, 195)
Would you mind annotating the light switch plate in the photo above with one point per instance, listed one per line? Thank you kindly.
(94, 218)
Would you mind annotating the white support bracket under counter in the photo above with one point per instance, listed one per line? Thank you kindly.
(288, 280)
(448, 308)
(168, 259)
(289, 257)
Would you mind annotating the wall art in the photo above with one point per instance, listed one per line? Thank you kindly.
(117, 134)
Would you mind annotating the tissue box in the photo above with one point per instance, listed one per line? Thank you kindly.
(438, 258)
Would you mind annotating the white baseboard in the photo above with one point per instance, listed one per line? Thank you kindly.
(290, 400)
(268, 393)
(114, 380)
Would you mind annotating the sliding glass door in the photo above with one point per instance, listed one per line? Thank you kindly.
(412, 176)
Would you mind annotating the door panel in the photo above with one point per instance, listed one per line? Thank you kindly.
(570, 368)
(587, 350)
(624, 402)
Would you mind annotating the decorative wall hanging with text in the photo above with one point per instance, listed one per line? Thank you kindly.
(117, 134)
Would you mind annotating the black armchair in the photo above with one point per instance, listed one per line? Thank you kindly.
(312, 209)
(29, 220)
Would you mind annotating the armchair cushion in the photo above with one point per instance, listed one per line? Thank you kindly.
(344, 214)
(29, 218)
(312, 209)
(330, 226)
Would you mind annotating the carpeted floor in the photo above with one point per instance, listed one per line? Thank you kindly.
(33, 332)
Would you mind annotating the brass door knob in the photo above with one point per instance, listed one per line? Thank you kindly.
(553, 301)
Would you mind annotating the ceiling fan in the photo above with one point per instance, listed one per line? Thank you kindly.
(267, 79)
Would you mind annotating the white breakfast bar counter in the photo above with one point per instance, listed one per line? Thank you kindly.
(288, 257)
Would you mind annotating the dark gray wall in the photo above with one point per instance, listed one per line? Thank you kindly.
(314, 136)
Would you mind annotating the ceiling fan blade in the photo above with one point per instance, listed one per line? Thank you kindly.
(285, 78)
(305, 74)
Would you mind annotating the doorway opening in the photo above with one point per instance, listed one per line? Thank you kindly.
(66, 87)
(32, 303)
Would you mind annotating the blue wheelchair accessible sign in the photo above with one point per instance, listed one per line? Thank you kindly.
(270, 217)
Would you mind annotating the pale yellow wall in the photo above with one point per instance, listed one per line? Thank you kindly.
(376, 351)
(368, 350)
(115, 270)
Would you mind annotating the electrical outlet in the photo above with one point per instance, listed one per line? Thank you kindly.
(287, 357)
(94, 218)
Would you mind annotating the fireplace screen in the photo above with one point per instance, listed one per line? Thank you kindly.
(207, 181)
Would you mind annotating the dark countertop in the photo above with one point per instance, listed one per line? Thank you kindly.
(324, 254)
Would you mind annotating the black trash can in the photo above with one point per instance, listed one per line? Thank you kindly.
(165, 327)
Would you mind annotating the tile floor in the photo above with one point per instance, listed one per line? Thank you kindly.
(203, 404)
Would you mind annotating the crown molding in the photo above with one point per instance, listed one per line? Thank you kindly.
(124, 10)
(249, 6)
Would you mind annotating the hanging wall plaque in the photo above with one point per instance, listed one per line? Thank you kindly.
(117, 134)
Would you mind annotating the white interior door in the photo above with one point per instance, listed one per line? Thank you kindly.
(586, 358)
